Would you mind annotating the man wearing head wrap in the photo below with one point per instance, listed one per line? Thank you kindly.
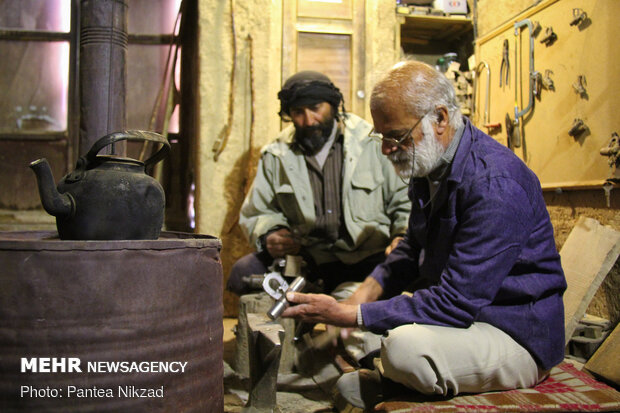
(322, 190)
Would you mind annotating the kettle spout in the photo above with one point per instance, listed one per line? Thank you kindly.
(55, 203)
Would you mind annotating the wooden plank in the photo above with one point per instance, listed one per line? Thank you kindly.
(588, 254)
(329, 54)
(606, 360)
(593, 184)
(333, 26)
(342, 9)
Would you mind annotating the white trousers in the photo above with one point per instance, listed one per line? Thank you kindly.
(447, 360)
(359, 343)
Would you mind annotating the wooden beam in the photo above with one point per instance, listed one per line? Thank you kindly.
(605, 362)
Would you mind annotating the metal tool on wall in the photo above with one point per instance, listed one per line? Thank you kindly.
(505, 64)
(477, 71)
(510, 128)
(515, 136)
(580, 19)
(612, 151)
(536, 28)
(580, 87)
(549, 38)
(538, 85)
(547, 82)
(578, 128)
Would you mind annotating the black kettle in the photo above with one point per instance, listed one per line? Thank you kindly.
(106, 197)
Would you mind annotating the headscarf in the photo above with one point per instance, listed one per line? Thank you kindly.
(308, 88)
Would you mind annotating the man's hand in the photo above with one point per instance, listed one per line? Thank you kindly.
(320, 308)
(392, 245)
(281, 242)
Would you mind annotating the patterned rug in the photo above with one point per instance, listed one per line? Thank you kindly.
(566, 390)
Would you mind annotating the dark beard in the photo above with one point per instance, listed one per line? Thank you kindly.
(312, 138)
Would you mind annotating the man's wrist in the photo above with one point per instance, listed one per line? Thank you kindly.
(359, 318)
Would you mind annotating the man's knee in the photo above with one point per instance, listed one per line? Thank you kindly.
(405, 343)
(442, 360)
(408, 357)
(241, 270)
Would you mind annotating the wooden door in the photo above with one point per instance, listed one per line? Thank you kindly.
(327, 37)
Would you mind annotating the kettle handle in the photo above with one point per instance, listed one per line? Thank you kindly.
(131, 135)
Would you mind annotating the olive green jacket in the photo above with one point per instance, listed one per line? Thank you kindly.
(375, 205)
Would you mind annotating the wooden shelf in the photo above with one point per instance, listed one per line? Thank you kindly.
(422, 29)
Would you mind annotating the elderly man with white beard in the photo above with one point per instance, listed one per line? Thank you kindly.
(479, 258)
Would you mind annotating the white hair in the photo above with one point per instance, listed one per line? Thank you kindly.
(420, 88)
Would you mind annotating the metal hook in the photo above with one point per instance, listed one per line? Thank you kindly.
(477, 72)
(578, 128)
(547, 82)
(580, 86)
(550, 37)
(579, 16)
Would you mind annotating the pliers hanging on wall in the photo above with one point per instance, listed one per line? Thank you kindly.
(505, 64)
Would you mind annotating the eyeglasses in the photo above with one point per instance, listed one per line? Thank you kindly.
(397, 141)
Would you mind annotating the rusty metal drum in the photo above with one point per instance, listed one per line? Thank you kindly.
(110, 326)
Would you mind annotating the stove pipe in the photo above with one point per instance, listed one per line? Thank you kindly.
(103, 71)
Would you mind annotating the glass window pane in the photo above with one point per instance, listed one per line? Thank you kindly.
(152, 16)
(145, 71)
(47, 15)
(34, 78)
